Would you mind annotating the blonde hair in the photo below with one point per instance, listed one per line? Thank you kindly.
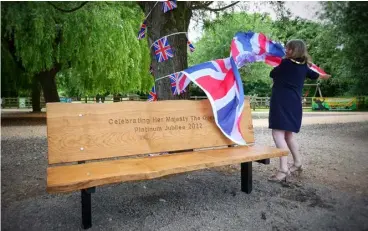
(298, 50)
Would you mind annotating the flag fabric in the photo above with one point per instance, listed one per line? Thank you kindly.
(248, 47)
(152, 95)
(317, 69)
(191, 47)
(142, 31)
(162, 49)
(178, 80)
(221, 82)
(168, 5)
(255, 47)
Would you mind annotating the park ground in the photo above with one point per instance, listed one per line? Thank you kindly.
(331, 194)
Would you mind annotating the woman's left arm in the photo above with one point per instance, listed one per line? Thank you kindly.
(315, 75)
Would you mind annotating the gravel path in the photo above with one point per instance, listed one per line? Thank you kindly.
(331, 194)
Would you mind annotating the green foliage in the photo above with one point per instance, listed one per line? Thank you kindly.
(259, 86)
(17, 83)
(348, 22)
(338, 44)
(96, 45)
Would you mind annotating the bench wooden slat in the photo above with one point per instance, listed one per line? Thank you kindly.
(78, 132)
(74, 177)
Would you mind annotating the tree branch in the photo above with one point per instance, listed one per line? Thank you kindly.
(69, 10)
(200, 6)
(204, 7)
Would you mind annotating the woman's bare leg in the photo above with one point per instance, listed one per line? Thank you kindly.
(294, 149)
(279, 138)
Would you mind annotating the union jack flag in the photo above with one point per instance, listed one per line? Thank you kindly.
(178, 81)
(191, 47)
(317, 69)
(168, 5)
(254, 47)
(248, 47)
(162, 49)
(221, 82)
(142, 31)
(152, 95)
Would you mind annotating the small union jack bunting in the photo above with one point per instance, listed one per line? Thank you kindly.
(168, 5)
(191, 47)
(177, 81)
(142, 31)
(162, 49)
(152, 95)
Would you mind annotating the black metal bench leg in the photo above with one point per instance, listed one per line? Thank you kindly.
(246, 177)
(264, 161)
(86, 207)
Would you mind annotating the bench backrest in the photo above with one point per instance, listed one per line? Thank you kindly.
(79, 132)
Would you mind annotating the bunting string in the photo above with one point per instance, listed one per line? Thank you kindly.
(169, 36)
(150, 11)
(163, 52)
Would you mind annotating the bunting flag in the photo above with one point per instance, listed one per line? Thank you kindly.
(191, 47)
(162, 49)
(152, 95)
(221, 82)
(142, 31)
(178, 81)
(168, 5)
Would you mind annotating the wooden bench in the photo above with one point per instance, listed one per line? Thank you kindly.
(93, 144)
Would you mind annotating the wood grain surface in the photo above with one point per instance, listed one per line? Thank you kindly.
(78, 132)
(74, 177)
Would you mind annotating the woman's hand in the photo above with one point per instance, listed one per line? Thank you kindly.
(325, 76)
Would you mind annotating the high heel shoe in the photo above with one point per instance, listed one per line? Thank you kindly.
(284, 177)
(296, 169)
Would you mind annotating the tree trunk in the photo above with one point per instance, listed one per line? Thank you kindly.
(36, 93)
(160, 24)
(48, 83)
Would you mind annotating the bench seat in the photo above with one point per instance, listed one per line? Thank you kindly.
(75, 177)
(92, 145)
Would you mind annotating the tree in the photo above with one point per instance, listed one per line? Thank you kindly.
(349, 24)
(94, 47)
(160, 24)
(334, 43)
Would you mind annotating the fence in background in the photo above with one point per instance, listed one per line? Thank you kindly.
(255, 101)
(19, 103)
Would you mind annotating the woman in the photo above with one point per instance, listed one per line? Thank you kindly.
(285, 107)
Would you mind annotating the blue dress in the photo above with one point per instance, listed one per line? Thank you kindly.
(286, 100)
